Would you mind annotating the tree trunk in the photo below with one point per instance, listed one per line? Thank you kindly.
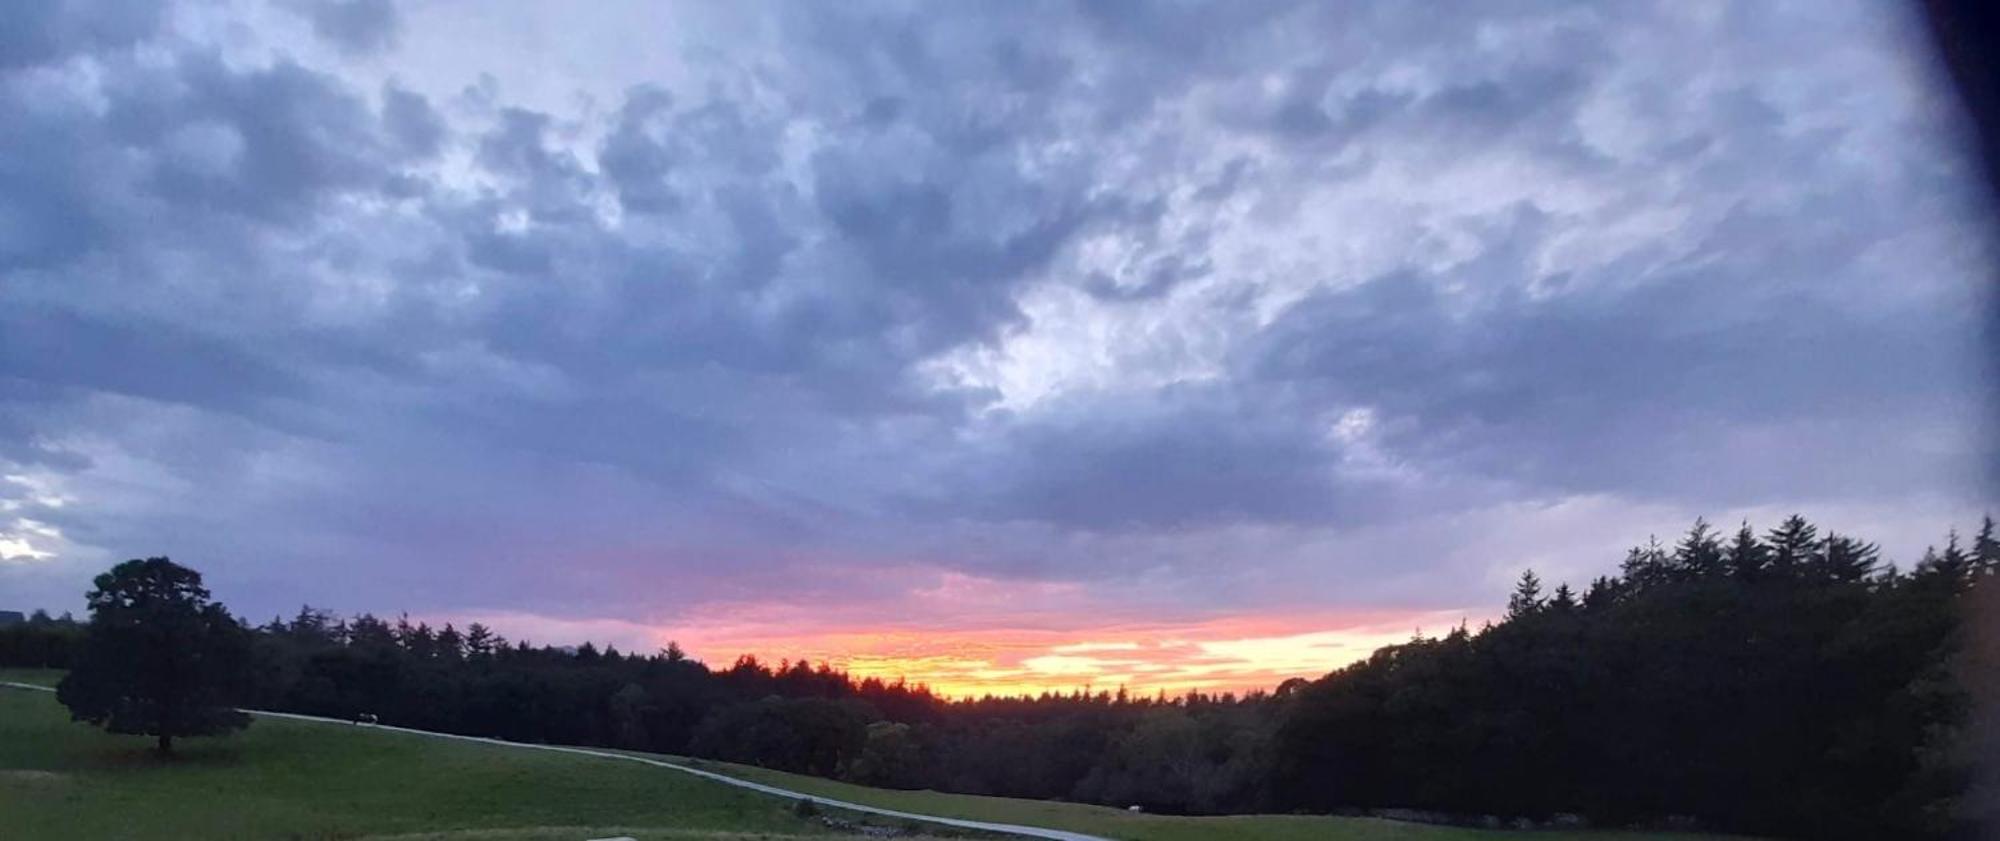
(166, 744)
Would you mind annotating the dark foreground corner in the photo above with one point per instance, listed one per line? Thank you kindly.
(1967, 35)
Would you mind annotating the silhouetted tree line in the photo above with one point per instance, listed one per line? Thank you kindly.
(1790, 684)
(42, 642)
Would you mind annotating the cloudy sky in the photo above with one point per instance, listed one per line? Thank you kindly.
(1004, 345)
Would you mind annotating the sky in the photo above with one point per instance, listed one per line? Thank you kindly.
(1000, 346)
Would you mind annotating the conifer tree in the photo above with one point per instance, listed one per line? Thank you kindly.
(1527, 598)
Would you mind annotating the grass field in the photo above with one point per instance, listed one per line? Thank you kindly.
(298, 780)
(40, 677)
(1118, 823)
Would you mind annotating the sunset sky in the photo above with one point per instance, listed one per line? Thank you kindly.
(1003, 346)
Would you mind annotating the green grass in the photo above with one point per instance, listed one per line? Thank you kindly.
(39, 677)
(299, 780)
(1118, 823)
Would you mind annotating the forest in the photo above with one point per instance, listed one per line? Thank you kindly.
(1790, 684)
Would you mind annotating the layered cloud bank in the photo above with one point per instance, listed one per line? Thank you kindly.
(1026, 345)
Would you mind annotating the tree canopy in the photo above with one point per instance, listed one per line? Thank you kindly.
(158, 657)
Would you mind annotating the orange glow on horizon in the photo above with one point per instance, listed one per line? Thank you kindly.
(968, 636)
(1235, 654)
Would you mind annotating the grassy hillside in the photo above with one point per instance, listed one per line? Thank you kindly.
(298, 780)
(295, 780)
(1118, 823)
(39, 677)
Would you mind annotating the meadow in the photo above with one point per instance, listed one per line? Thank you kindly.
(300, 780)
(1119, 823)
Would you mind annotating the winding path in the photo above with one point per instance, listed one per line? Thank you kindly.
(1006, 828)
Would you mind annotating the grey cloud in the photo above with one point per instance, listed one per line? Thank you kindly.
(48, 212)
(271, 143)
(49, 31)
(172, 186)
(635, 159)
(546, 181)
(157, 361)
(25, 438)
(510, 253)
(689, 339)
(356, 27)
(417, 128)
(1189, 462)
(1595, 391)
(718, 140)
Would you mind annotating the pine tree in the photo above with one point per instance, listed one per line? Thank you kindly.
(421, 642)
(450, 644)
(1747, 557)
(1953, 564)
(480, 641)
(1646, 566)
(368, 632)
(1947, 571)
(1847, 560)
(1564, 599)
(1986, 548)
(1603, 592)
(1793, 545)
(1698, 555)
(1527, 598)
(312, 626)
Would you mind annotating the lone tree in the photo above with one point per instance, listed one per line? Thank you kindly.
(158, 658)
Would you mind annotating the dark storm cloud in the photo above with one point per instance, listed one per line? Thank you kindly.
(1012, 291)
